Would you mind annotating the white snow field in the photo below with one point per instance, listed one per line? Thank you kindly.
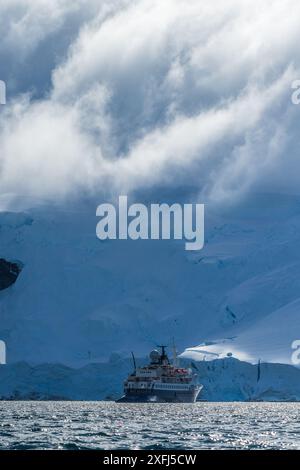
(269, 339)
(79, 300)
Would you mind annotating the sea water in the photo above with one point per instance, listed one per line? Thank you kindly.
(108, 425)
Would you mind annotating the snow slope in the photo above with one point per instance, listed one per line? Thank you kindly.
(223, 380)
(78, 300)
(269, 339)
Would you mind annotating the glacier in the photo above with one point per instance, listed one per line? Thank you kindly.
(78, 300)
(223, 380)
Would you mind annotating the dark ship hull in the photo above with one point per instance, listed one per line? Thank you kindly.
(160, 396)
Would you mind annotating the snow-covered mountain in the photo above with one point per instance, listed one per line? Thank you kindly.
(78, 299)
(223, 380)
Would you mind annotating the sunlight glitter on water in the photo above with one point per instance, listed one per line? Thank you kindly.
(107, 425)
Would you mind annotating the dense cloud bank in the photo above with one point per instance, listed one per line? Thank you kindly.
(117, 95)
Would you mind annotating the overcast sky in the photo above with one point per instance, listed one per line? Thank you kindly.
(127, 94)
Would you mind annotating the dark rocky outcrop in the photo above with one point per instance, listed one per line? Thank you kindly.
(9, 271)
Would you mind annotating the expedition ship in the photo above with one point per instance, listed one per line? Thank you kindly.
(161, 382)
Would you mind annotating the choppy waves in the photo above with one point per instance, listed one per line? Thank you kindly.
(107, 425)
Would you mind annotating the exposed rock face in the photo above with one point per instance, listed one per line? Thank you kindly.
(9, 271)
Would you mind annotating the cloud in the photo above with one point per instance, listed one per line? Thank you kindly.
(140, 93)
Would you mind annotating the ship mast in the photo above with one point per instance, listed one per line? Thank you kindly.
(163, 357)
(175, 362)
(134, 363)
